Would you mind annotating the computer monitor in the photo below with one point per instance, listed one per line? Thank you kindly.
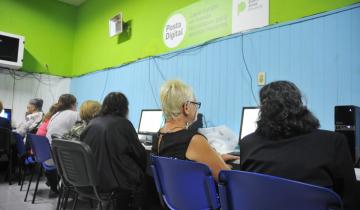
(6, 113)
(248, 120)
(151, 121)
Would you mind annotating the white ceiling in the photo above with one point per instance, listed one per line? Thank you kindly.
(73, 2)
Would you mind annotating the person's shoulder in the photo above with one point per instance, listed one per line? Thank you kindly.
(198, 140)
(122, 120)
(70, 112)
(324, 134)
(252, 137)
(112, 120)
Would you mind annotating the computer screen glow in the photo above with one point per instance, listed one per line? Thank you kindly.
(4, 114)
(248, 122)
(151, 121)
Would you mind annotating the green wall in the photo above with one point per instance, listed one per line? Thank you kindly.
(95, 50)
(75, 41)
(287, 10)
(48, 27)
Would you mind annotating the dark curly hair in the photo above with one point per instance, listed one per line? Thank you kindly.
(115, 103)
(282, 113)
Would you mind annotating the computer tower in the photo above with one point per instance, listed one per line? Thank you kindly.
(347, 122)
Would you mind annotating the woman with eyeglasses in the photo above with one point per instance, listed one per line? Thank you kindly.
(174, 139)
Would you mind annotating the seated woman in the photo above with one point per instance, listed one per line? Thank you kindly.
(64, 118)
(174, 139)
(33, 117)
(121, 159)
(42, 130)
(60, 123)
(287, 143)
(88, 110)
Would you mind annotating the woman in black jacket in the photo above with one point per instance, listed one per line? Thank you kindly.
(121, 159)
(287, 143)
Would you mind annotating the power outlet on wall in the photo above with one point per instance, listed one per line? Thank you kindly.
(261, 80)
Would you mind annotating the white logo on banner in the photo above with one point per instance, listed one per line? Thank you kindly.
(249, 14)
(174, 30)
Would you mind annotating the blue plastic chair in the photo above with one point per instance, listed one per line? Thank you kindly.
(25, 160)
(41, 148)
(20, 146)
(242, 190)
(184, 184)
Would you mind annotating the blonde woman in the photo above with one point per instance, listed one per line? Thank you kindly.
(88, 110)
(174, 139)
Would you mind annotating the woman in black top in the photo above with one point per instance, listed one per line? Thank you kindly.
(174, 139)
(287, 143)
(120, 157)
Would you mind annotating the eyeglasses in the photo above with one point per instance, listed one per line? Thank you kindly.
(197, 104)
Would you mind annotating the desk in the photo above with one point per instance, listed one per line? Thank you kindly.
(357, 173)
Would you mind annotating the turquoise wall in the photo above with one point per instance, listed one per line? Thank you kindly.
(321, 54)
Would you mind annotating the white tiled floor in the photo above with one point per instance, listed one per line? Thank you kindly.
(12, 199)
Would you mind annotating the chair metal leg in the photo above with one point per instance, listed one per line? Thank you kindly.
(27, 192)
(37, 184)
(62, 203)
(10, 167)
(22, 179)
(20, 174)
(66, 198)
(75, 201)
(60, 197)
(91, 203)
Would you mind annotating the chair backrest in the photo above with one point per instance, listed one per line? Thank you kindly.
(76, 162)
(5, 137)
(20, 146)
(40, 146)
(242, 190)
(184, 184)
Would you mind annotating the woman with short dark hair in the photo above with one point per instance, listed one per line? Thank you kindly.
(287, 143)
(33, 117)
(120, 157)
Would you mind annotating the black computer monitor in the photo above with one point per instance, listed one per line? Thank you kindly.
(6, 113)
(151, 121)
(249, 118)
